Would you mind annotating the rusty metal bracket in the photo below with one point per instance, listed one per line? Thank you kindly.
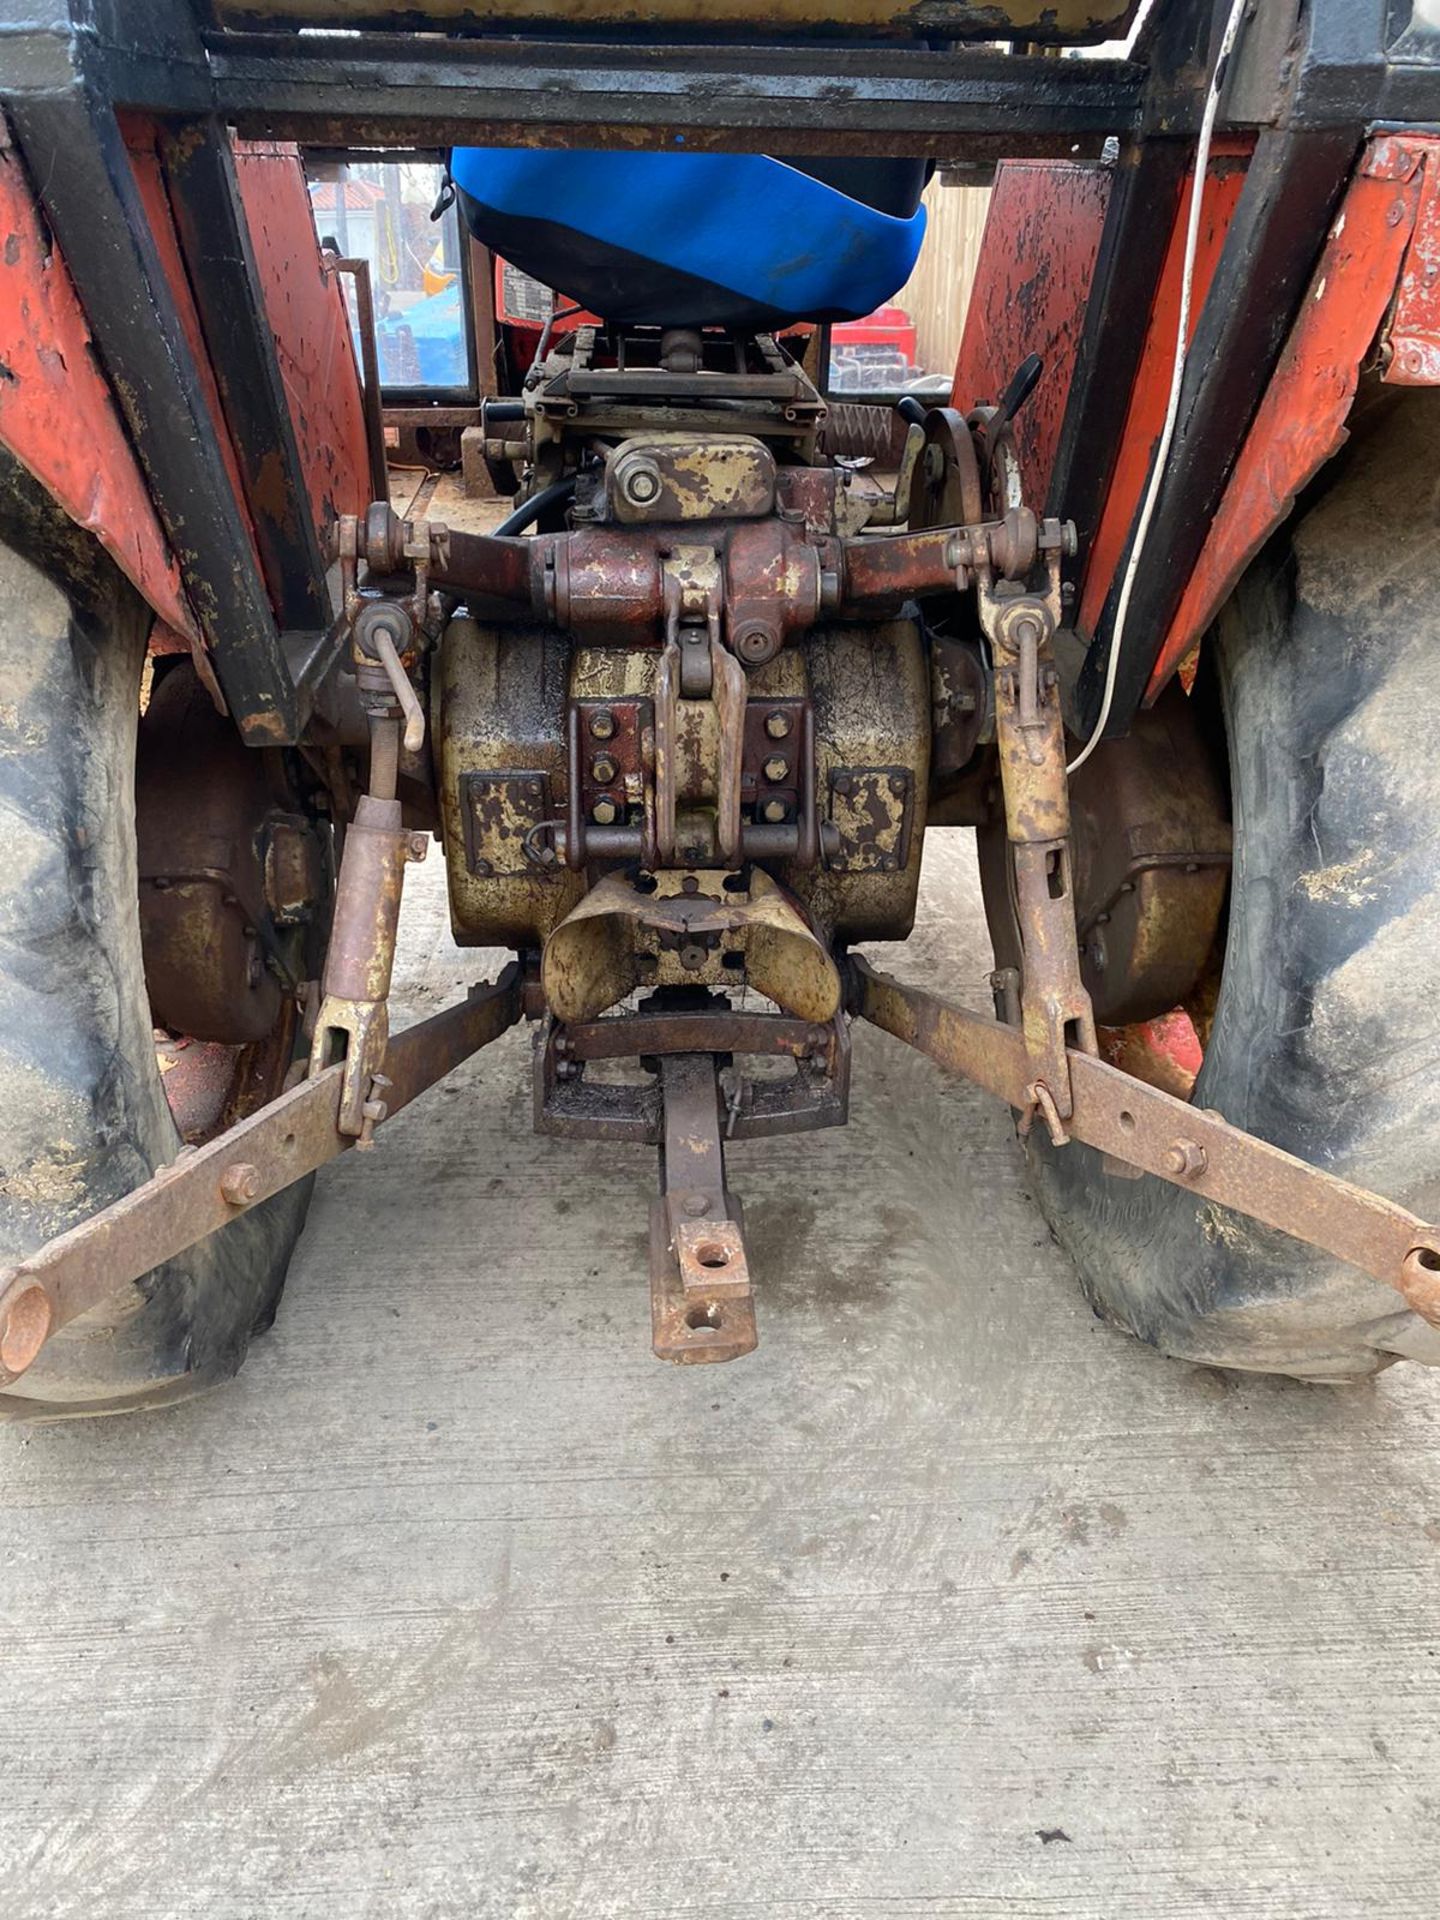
(209, 1186)
(1055, 1008)
(572, 1106)
(1189, 1147)
(701, 1305)
(356, 987)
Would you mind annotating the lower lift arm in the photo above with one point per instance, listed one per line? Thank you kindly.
(1153, 1131)
(210, 1185)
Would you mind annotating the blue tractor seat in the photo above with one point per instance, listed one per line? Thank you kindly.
(699, 239)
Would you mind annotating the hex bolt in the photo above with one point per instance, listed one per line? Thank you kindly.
(604, 813)
(777, 725)
(602, 769)
(773, 812)
(240, 1183)
(602, 724)
(1185, 1159)
(776, 769)
(695, 1204)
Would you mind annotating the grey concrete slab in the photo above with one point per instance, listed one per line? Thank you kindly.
(949, 1601)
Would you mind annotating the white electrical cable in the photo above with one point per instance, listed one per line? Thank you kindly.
(1172, 411)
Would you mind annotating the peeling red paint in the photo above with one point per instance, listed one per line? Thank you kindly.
(57, 413)
(1300, 423)
(141, 137)
(1037, 260)
(306, 308)
(1412, 345)
(1150, 394)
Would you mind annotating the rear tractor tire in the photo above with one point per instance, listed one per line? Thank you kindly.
(1326, 1035)
(84, 1117)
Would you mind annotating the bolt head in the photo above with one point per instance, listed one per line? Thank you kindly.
(695, 1204)
(842, 783)
(240, 1183)
(773, 812)
(602, 724)
(776, 769)
(602, 769)
(604, 813)
(1186, 1159)
(777, 725)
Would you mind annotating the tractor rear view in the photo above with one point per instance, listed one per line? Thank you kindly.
(1146, 607)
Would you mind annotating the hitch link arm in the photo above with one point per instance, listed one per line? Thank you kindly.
(353, 1022)
(210, 1185)
(1188, 1146)
(1055, 1008)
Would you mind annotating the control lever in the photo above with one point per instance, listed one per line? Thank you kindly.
(990, 422)
(1023, 383)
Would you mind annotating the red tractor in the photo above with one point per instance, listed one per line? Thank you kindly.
(1146, 606)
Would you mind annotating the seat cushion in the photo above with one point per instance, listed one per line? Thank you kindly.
(692, 239)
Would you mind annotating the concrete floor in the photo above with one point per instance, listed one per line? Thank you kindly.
(949, 1601)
